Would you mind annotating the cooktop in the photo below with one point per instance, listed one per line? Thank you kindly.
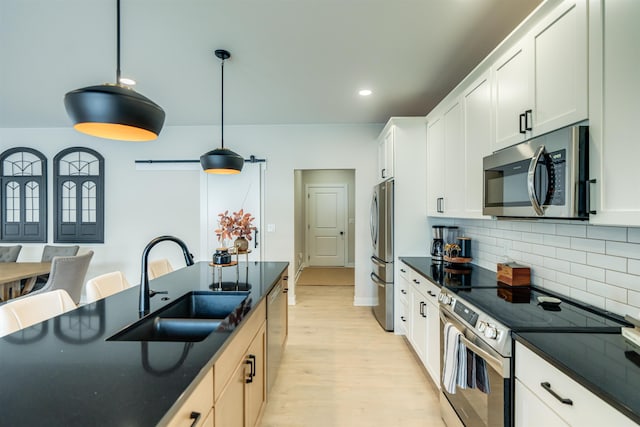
(528, 308)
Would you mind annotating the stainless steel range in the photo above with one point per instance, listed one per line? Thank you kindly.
(481, 319)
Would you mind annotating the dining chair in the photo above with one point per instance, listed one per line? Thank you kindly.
(29, 310)
(159, 267)
(48, 252)
(68, 273)
(104, 285)
(9, 253)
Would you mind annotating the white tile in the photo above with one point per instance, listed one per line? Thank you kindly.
(628, 281)
(633, 298)
(521, 226)
(504, 225)
(633, 266)
(549, 251)
(608, 291)
(530, 259)
(514, 255)
(512, 235)
(587, 271)
(558, 241)
(489, 265)
(574, 282)
(571, 255)
(628, 250)
(543, 227)
(571, 230)
(607, 261)
(497, 232)
(544, 273)
(620, 308)
(607, 233)
(521, 246)
(557, 264)
(586, 297)
(532, 237)
(588, 245)
(557, 287)
(633, 234)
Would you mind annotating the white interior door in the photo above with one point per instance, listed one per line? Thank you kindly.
(326, 225)
(232, 193)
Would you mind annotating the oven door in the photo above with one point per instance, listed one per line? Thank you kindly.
(475, 408)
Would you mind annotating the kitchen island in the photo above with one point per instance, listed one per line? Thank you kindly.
(64, 372)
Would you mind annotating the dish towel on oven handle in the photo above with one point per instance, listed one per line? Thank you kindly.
(450, 359)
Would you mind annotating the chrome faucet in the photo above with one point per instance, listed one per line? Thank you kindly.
(144, 278)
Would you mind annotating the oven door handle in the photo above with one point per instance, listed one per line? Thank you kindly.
(494, 362)
(531, 175)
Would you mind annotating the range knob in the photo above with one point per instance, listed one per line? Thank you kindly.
(482, 326)
(491, 332)
(446, 300)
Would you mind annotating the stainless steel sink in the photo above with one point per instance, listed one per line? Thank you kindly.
(190, 318)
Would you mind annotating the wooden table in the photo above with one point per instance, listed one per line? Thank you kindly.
(11, 273)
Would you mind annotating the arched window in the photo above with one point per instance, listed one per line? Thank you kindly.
(79, 187)
(23, 191)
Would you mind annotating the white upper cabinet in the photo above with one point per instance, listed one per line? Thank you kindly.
(540, 84)
(477, 142)
(614, 90)
(435, 166)
(386, 155)
(512, 95)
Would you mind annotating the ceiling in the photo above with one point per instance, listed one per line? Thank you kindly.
(292, 61)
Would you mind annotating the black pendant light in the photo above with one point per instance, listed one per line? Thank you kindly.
(114, 111)
(222, 160)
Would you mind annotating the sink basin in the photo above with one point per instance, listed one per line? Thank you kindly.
(190, 318)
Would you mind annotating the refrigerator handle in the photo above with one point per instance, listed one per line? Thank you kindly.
(379, 263)
(377, 281)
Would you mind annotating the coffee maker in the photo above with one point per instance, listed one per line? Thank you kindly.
(437, 244)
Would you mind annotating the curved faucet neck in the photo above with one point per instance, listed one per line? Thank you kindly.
(144, 277)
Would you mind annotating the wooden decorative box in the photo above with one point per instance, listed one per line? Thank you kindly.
(513, 274)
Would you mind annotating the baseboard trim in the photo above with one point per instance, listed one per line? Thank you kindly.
(364, 301)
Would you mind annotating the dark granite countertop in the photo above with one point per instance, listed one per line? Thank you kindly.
(606, 364)
(62, 372)
(442, 275)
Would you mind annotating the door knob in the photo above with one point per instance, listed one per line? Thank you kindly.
(342, 233)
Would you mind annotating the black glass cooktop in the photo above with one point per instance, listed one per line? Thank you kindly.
(519, 309)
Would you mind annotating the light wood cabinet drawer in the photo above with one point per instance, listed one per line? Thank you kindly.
(199, 403)
(551, 385)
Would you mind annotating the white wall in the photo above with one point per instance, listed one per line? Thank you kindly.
(594, 264)
(141, 205)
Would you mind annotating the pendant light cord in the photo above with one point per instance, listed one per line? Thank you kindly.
(118, 42)
(221, 105)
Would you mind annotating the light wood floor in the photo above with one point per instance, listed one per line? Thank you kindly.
(340, 369)
(326, 276)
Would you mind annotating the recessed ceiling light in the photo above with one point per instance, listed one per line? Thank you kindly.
(365, 92)
(127, 81)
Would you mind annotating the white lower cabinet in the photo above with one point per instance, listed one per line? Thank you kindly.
(543, 393)
(423, 331)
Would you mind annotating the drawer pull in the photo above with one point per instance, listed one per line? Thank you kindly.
(547, 386)
(403, 270)
(195, 416)
(403, 318)
(431, 293)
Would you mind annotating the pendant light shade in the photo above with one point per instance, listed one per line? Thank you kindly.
(114, 111)
(222, 160)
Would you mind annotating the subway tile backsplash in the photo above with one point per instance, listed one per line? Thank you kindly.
(598, 265)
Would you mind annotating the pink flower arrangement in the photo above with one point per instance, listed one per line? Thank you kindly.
(238, 224)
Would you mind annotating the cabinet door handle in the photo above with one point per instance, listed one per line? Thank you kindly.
(588, 196)
(440, 204)
(253, 365)
(528, 120)
(545, 385)
(195, 416)
(424, 306)
(522, 123)
(382, 173)
(250, 379)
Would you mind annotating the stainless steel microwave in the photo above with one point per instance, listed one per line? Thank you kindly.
(545, 177)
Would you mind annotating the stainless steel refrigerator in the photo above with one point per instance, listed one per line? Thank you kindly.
(382, 252)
